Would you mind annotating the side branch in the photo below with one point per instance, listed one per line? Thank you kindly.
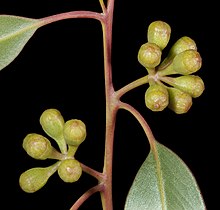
(102, 4)
(99, 176)
(86, 195)
(71, 15)
(141, 120)
(132, 85)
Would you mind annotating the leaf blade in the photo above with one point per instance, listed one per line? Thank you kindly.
(15, 32)
(164, 182)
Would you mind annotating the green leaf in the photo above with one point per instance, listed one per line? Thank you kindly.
(164, 182)
(15, 32)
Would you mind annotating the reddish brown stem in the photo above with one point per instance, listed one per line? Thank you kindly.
(106, 19)
(71, 15)
(99, 176)
(111, 107)
(141, 120)
(86, 195)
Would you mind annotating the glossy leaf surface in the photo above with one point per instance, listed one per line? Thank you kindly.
(15, 32)
(164, 182)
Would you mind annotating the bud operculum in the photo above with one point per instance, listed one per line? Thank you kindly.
(74, 132)
(156, 97)
(190, 84)
(34, 179)
(70, 170)
(159, 33)
(182, 44)
(52, 123)
(37, 146)
(179, 101)
(187, 62)
(149, 55)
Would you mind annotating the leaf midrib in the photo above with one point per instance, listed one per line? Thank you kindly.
(28, 27)
(159, 175)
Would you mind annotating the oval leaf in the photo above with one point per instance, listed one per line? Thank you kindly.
(15, 32)
(164, 182)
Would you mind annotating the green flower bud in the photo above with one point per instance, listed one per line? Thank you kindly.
(190, 84)
(52, 123)
(182, 44)
(34, 179)
(187, 62)
(70, 170)
(74, 132)
(179, 101)
(37, 146)
(149, 55)
(159, 33)
(156, 97)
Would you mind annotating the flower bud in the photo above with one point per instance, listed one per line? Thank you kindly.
(190, 84)
(149, 55)
(34, 179)
(74, 132)
(187, 62)
(37, 146)
(52, 123)
(70, 170)
(182, 44)
(156, 97)
(159, 33)
(179, 101)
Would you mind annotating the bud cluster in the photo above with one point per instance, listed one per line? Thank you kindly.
(171, 82)
(68, 135)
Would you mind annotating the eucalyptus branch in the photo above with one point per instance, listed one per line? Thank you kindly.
(111, 110)
(99, 176)
(140, 119)
(71, 15)
(102, 4)
(86, 195)
(153, 181)
(132, 85)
